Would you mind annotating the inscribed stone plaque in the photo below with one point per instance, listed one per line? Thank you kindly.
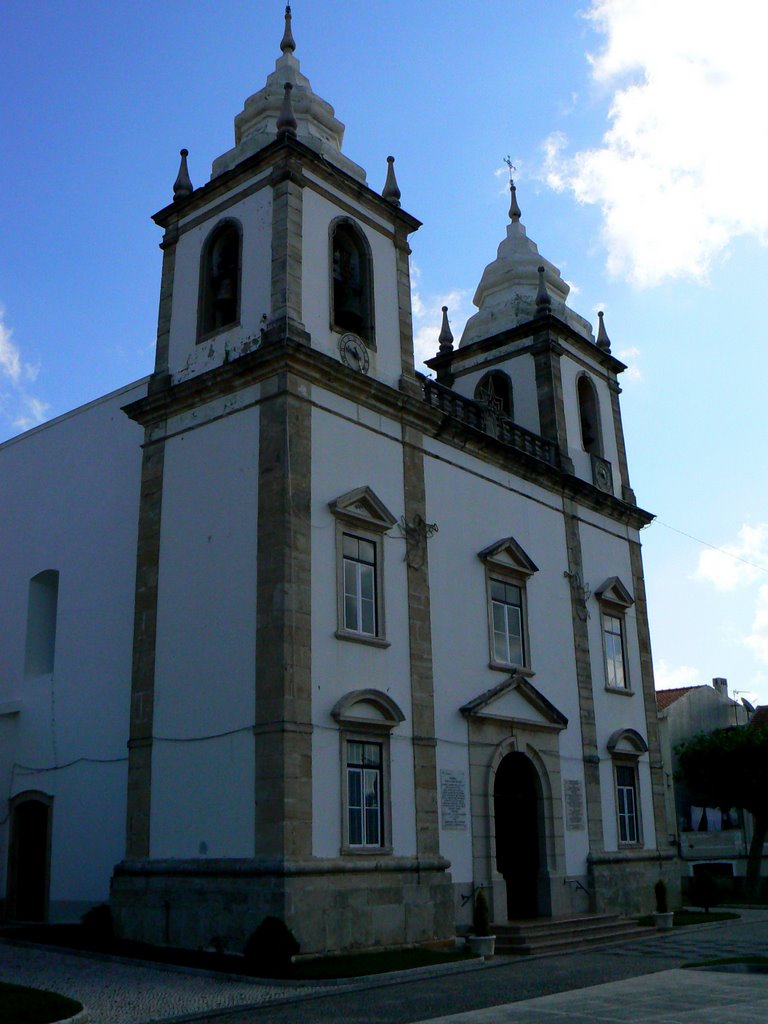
(453, 800)
(574, 804)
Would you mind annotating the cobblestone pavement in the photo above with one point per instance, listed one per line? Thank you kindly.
(118, 993)
(129, 994)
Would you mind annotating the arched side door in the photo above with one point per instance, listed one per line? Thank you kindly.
(29, 859)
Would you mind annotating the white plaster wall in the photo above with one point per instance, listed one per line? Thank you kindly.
(318, 213)
(346, 455)
(570, 371)
(474, 506)
(605, 553)
(522, 373)
(187, 357)
(71, 490)
(203, 788)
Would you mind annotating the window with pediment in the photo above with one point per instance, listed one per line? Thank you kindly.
(507, 572)
(614, 600)
(362, 521)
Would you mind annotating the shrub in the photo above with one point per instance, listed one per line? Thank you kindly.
(481, 922)
(98, 921)
(271, 947)
(660, 889)
(703, 891)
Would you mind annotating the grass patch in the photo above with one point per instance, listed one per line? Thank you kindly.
(20, 1005)
(761, 961)
(683, 918)
(349, 966)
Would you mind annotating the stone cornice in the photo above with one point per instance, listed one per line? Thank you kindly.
(289, 356)
(541, 331)
(285, 150)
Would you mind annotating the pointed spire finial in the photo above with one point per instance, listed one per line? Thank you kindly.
(543, 301)
(287, 122)
(391, 191)
(182, 187)
(446, 337)
(288, 43)
(603, 341)
(514, 209)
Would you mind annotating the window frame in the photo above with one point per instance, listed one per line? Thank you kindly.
(354, 714)
(615, 600)
(629, 764)
(204, 279)
(507, 563)
(368, 332)
(362, 515)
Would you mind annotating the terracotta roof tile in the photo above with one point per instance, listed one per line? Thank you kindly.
(760, 717)
(666, 697)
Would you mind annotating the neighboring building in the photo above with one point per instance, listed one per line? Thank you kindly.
(378, 639)
(708, 838)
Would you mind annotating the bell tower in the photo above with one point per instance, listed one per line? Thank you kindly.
(284, 318)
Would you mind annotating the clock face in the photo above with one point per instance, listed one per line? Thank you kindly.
(353, 353)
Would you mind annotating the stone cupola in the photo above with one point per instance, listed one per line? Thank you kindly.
(508, 290)
(316, 123)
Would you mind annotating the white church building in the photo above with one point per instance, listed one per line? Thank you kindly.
(290, 628)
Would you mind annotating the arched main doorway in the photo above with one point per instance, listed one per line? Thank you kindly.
(518, 816)
(29, 857)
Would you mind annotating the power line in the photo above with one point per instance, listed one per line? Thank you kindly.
(713, 547)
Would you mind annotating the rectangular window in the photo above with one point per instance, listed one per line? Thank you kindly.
(507, 619)
(626, 795)
(364, 799)
(613, 639)
(359, 570)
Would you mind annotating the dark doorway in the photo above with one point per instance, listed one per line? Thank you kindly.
(517, 813)
(29, 861)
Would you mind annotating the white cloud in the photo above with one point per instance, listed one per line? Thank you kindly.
(679, 173)
(668, 677)
(739, 564)
(18, 407)
(757, 639)
(630, 356)
(428, 318)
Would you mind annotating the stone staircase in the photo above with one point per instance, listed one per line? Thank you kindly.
(563, 934)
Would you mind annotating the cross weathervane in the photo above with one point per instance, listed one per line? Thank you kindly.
(510, 166)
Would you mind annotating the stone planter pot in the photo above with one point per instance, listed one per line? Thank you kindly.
(663, 921)
(482, 945)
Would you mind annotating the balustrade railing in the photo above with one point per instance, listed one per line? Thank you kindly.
(479, 416)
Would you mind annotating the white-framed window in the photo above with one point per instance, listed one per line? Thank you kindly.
(365, 762)
(359, 569)
(507, 617)
(366, 718)
(626, 747)
(613, 641)
(626, 803)
(507, 572)
(362, 521)
(614, 600)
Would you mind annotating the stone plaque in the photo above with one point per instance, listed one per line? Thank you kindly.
(574, 805)
(453, 800)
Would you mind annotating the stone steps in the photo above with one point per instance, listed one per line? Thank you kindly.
(562, 934)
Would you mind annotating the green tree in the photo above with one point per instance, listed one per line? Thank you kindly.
(729, 768)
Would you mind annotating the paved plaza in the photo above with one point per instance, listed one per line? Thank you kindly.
(638, 980)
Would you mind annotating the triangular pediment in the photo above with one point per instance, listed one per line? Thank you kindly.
(508, 555)
(362, 506)
(613, 591)
(516, 700)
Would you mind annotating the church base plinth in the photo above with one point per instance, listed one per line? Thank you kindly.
(623, 882)
(330, 905)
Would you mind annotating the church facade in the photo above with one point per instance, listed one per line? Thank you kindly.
(371, 639)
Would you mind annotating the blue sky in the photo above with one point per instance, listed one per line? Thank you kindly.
(640, 138)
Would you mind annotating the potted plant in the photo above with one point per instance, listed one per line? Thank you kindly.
(663, 917)
(481, 942)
